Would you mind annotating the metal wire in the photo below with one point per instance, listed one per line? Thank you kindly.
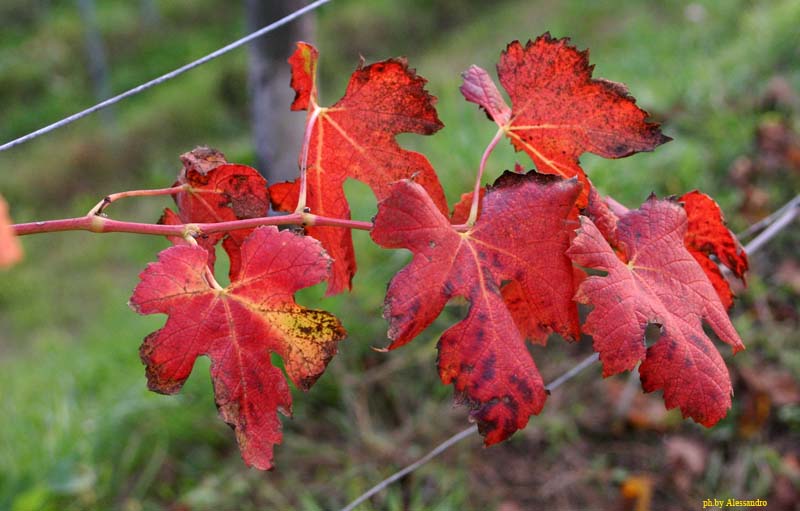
(163, 78)
(461, 435)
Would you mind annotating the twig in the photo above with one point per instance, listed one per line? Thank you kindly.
(461, 435)
(163, 78)
(108, 199)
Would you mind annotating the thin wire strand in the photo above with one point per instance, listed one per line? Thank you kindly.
(163, 78)
(776, 223)
(461, 435)
(572, 373)
(761, 224)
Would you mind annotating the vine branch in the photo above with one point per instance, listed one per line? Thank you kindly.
(776, 224)
(100, 224)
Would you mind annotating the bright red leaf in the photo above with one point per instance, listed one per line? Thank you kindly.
(558, 110)
(661, 284)
(219, 192)
(708, 235)
(238, 327)
(355, 138)
(521, 236)
(10, 248)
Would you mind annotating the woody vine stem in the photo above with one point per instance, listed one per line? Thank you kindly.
(96, 221)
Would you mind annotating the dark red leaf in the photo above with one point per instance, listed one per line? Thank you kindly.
(661, 284)
(521, 236)
(304, 75)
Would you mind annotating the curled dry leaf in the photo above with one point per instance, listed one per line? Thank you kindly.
(218, 191)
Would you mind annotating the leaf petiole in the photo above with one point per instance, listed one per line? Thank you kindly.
(312, 120)
(476, 192)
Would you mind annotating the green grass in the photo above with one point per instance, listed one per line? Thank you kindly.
(81, 429)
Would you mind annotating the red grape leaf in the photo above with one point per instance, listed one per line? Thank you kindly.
(661, 284)
(355, 138)
(558, 110)
(708, 235)
(521, 305)
(220, 192)
(521, 235)
(10, 248)
(237, 328)
(524, 308)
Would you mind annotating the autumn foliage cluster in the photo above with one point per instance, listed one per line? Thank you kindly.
(526, 252)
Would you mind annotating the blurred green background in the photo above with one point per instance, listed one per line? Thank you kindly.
(80, 430)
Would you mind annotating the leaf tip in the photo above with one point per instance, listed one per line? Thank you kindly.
(303, 63)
